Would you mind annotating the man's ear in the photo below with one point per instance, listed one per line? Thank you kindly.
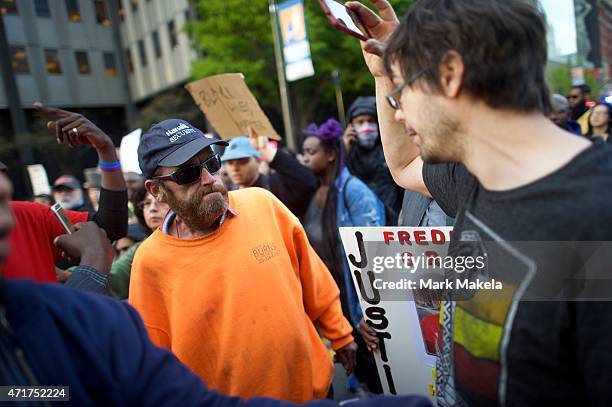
(155, 189)
(451, 71)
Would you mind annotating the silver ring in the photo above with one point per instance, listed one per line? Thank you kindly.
(75, 131)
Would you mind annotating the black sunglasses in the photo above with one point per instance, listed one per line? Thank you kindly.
(192, 173)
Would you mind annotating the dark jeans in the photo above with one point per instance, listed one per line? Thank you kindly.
(366, 371)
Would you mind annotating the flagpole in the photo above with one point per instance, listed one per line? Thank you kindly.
(282, 81)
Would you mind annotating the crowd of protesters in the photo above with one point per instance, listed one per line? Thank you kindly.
(220, 265)
(582, 116)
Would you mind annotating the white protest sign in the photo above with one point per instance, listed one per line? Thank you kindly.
(405, 358)
(39, 179)
(128, 152)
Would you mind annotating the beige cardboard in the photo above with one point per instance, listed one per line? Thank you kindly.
(230, 106)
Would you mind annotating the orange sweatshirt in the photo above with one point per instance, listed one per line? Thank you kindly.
(241, 307)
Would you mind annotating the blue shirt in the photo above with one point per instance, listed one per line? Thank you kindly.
(357, 205)
(99, 347)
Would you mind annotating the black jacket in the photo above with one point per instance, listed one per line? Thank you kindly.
(293, 183)
(370, 166)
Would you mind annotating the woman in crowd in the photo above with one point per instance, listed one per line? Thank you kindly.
(150, 215)
(341, 199)
(600, 122)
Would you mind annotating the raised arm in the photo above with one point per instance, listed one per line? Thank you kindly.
(74, 129)
(298, 181)
(401, 154)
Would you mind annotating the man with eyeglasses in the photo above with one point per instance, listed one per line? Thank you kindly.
(578, 100)
(229, 282)
(466, 124)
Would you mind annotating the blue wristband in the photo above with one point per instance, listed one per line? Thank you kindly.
(109, 166)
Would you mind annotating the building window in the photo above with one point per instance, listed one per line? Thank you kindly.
(110, 68)
(121, 10)
(19, 60)
(82, 62)
(134, 4)
(142, 53)
(42, 8)
(130, 62)
(172, 34)
(53, 62)
(156, 45)
(72, 7)
(101, 14)
(8, 7)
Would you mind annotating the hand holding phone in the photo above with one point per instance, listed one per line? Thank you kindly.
(345, 19)
(380, 26)
(89, 246)
(63, 218)
(349, 136)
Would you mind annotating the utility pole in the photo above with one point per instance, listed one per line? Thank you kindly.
(20, 126)
(339, 99)
(282, 81)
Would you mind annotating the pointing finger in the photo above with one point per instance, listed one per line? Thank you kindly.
(50, 110)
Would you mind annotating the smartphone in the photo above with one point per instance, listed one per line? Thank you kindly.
(63, 218)
(344, 19)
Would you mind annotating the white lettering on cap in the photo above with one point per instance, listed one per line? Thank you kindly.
(177, 132)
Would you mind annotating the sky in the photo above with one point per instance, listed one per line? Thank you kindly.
(560, 16)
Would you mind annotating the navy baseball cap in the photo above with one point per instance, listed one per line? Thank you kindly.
(171, 143)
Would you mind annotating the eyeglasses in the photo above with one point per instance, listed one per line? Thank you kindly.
(394, 96)
(574, 96)
(192, 173)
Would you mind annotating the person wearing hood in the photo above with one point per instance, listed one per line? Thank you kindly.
(365, 157)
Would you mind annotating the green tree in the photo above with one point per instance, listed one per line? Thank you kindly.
(559, 78)
(236, 36)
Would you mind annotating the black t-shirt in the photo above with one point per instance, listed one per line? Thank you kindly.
(530, 352)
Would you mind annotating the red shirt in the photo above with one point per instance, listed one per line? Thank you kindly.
(33, 255)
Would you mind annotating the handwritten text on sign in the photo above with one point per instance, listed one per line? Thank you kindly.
(230, 106)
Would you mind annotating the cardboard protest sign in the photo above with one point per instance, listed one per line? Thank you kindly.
(404, 317)
(230, 106)
(39, 179)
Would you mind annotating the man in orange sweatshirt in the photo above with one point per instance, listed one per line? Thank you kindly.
(229, 282)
